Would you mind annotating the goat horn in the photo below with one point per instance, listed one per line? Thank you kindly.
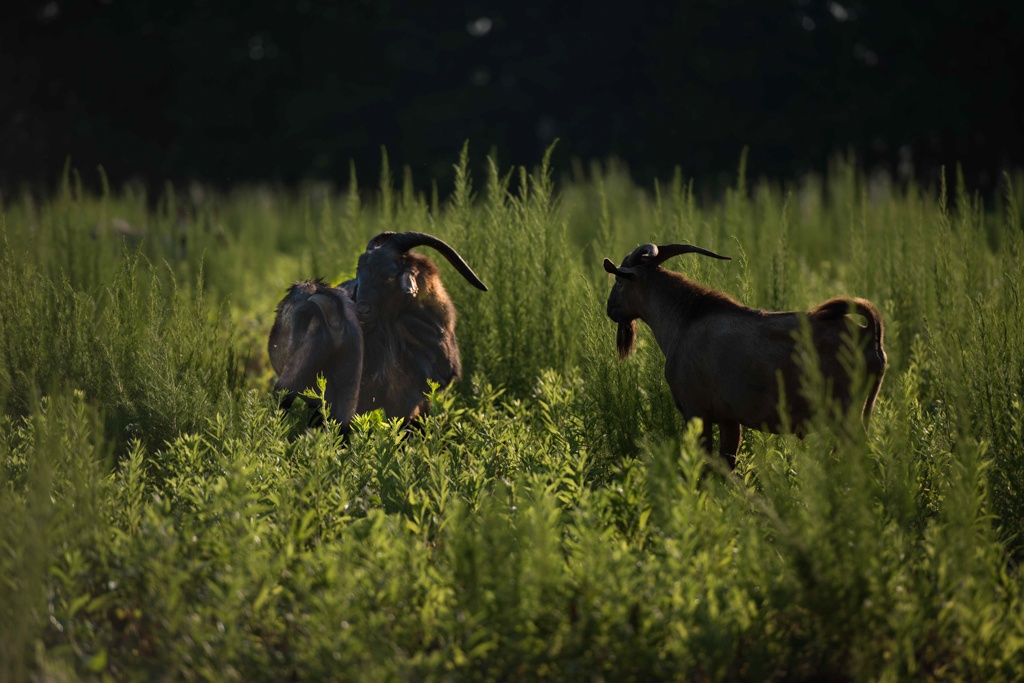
(647, 251)
(379, 240)
(644, 254)
(404, 241)
(667, 251)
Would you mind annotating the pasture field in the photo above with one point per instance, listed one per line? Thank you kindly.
(160, 519)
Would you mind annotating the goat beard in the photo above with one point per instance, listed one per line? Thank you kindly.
(625, 338)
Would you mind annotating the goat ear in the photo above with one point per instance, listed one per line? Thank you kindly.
(614, 270)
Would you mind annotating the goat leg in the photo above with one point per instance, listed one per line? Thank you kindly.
(730, 435)
(707, 437)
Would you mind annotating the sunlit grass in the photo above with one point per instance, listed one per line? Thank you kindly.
(554, 517)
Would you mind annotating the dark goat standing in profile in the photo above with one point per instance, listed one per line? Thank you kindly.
(724, 361)
(316, 332)
(408, 322)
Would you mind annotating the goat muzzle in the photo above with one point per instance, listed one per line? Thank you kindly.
(364, 311)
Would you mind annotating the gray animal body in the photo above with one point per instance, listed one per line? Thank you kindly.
(724, 361)
(316, 332)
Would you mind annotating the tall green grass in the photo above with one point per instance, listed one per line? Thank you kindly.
(553, 518)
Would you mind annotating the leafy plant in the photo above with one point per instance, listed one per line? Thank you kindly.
(553, 517)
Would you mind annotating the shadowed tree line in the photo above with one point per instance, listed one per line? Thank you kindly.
(283, 90)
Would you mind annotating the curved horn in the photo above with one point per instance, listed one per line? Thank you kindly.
(643, 255)
(404, 241)
(379, 240)
(667, 251)
(647, 251)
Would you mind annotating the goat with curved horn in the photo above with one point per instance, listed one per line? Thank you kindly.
(724, 362)
(408, 322)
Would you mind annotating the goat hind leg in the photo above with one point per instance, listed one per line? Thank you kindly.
(287, 399)
(707, 437)
(730, 435)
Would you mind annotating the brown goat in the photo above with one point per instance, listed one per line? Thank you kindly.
(408, 322)
(724, 361)
(316, 332)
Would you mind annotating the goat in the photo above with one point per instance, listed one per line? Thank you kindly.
(316, 332)
(408, 322)
(724, 362)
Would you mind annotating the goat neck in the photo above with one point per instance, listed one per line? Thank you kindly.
(672, 302)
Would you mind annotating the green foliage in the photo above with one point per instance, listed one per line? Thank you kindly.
(553, 518)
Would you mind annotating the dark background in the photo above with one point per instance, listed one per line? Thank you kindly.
(284, 90)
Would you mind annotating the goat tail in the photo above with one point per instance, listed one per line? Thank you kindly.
(836, 308)
(874, 318)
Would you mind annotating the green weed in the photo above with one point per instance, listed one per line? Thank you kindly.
(553, 517)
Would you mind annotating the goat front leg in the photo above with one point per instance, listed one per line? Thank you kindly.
(287, 399)
(706, 440)
(707, 437)
(730, 435)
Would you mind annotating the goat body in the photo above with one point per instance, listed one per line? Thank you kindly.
(409, 339)
(408, 323)
(724, 362)
(316, 331)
